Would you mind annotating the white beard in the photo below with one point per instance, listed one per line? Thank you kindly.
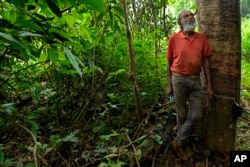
(189, 26)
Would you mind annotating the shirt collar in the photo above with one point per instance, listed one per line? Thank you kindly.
(182, 35)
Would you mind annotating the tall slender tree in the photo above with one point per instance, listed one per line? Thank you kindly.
(132, 72)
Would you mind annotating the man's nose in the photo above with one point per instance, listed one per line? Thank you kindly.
(190, 16)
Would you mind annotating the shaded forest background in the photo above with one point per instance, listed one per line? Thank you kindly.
(65, 95)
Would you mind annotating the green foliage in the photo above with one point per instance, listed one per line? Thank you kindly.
(242, 124)
(245, 8)
(5, 162)
(245, 33)
(65, 94)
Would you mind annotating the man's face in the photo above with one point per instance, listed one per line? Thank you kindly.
(188, 21)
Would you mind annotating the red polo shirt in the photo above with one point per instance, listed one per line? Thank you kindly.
(187, 54)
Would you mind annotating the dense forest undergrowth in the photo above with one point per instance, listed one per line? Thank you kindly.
(65, 95)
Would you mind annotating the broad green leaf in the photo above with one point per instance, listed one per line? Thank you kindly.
(111, 19)
(12, 16)
(61, 33)
(103, 164)
(28, 24)
(80, 62)
(12, 41)
(78, 47)
(7, 105)
(24, 54)
(118, 10)
(8, 108)
(72, 2)
(98, 5)
(34, 124)
(43, 57)
(71, 137)
(61, 57)
(158, 139)
(138, 154)
(18, 3)
(53, 55)
(70, 20)
(1, 157)
(73, 60)
(28, 34)
(107, 137)
(30, 164)
(85, 34)
(54, 8)
(194, 7)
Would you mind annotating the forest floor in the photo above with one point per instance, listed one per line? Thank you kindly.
(203, 157)
(200, 159)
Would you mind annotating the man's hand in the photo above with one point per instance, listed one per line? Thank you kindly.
(170, 90)
(210, 93)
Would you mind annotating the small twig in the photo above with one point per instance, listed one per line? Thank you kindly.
(43, 160)
(64, 160)
(132, 142)
(35, 142)
(153, 163)
(164, 154)
(84, 109)
(22, 70)
(137, 162)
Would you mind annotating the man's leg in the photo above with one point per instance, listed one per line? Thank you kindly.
(195, 110)
(180, 96)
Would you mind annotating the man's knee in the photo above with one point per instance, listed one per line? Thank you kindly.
(196, 118)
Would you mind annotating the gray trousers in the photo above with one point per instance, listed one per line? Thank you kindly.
(188, 102)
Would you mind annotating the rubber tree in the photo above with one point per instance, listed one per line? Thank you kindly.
(220, 21)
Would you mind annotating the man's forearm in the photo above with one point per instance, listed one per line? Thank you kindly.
(169, 72)
(207, 72)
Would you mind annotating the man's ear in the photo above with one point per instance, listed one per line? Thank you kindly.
(180, 24)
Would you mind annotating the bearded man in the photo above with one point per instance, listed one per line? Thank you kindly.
(187, 55)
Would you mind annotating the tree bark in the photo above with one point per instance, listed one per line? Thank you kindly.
(132, 72)
(220, 21)
(155, 28)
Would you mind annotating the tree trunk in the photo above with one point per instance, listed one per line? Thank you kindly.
(132, 73)
(220, 21)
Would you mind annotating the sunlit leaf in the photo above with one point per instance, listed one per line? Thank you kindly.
(71, 137)
(12, 16)
(85, 34)
(111, 155)
(107, 137)
(60, 32)
(73, 60)
(158, 139)
(139, 153)
(28, 34)
(98, 5)
(7, 104)
(70, 20)
(100, 150)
